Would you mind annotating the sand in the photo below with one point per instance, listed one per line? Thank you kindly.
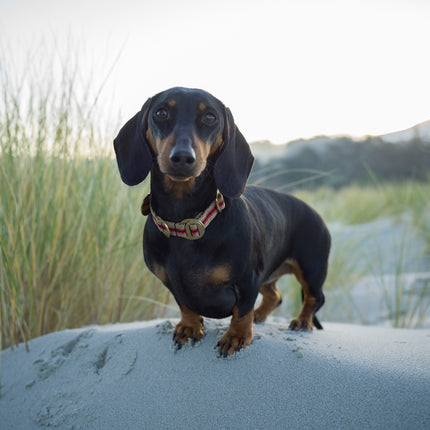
(128, 376)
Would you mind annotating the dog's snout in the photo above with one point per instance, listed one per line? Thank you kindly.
(182, 156)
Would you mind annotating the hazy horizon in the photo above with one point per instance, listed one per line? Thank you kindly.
(288, 70)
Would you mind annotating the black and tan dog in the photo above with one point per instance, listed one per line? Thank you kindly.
(214, 243)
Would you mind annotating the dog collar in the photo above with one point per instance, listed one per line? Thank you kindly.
(192, 228)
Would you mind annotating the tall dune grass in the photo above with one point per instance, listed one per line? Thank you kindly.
(70, 231)
(360, 204)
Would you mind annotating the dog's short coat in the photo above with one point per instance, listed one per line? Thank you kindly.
(200, 163)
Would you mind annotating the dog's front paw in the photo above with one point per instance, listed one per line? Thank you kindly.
(231, 342)
(184, 331)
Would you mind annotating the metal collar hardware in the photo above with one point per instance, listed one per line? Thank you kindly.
(191, 228)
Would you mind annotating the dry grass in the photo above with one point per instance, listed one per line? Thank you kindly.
(70, 243)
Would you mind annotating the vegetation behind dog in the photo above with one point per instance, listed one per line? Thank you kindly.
(70, 231)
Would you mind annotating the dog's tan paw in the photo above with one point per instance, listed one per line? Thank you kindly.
(184, 332)
(259, 316)
(231, 343)
(301, 324)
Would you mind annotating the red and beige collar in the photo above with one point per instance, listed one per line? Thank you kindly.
(192, 228)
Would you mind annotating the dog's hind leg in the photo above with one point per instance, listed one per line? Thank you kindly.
(271, 299)
(313, 297)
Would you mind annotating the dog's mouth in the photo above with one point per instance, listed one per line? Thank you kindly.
(177, 178)
(184, 174)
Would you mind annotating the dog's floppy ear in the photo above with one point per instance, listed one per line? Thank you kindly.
(132, 150)
(234, 164)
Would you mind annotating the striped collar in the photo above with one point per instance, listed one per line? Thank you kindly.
(192, 228)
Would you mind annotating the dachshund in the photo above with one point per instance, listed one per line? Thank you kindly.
(214, 242)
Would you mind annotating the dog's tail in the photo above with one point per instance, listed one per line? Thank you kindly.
(317, 324)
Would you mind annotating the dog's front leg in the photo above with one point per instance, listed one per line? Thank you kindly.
(190, 327)
(239, 334)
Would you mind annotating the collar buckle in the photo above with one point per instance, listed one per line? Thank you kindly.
(194, 228)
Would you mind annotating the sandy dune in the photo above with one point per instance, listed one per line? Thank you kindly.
(127, 376)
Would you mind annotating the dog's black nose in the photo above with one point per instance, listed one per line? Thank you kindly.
(182, 156)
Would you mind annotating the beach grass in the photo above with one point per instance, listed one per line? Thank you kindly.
(360, 204)
(70, 243)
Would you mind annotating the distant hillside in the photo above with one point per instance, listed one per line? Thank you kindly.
(420, 132)
(340, 161)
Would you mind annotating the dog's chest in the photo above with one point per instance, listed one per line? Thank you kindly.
(196, 279)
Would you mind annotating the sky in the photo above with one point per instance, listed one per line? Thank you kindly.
(287, 69)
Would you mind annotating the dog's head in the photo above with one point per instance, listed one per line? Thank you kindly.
(182, 129)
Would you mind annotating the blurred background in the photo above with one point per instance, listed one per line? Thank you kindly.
(332, 95)
(287, 69)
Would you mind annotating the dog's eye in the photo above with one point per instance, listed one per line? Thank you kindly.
(209, 118)
(162, 114)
